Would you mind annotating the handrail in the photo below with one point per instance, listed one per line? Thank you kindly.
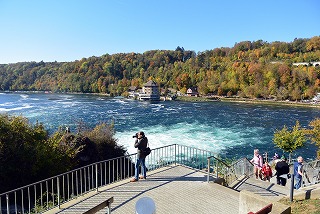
(107, 203)
(218, 159)
(77, 169)
(249, 161)
(54, 191)
(230, 171)
(217, 171)
(311, 171)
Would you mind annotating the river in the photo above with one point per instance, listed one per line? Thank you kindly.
(229, 129)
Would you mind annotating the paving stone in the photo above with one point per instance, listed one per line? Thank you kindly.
(174, 189)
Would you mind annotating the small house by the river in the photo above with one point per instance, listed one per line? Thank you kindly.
(316, 98)
(150, 91)
(193, 91)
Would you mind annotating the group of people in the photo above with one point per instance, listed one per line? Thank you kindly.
(261, 170)
(264, 170)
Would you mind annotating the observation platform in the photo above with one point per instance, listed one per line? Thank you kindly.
(174, 189)
(177, 182)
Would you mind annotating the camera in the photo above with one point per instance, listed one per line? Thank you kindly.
(134, 136)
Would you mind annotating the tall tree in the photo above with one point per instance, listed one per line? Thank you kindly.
(288, 140)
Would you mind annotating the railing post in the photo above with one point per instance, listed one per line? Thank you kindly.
(58, 191)
(97, 176)
(291, 187)
(175, 154)
(8, 208)
(246, 171)
(208, 177)
(217, 171)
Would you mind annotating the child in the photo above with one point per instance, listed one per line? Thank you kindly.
(266, 171)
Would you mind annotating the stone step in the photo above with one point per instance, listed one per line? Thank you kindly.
(268, 189)
(264, 188)
(227, 191)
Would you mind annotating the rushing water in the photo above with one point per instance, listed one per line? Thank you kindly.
(229, 129)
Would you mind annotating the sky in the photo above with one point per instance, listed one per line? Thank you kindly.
(69, 30)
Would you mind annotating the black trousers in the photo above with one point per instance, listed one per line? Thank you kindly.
(281, 181)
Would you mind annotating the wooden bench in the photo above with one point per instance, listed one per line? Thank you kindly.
(106, 203)
(264, 210)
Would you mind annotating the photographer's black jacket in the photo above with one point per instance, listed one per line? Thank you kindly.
(141, 144)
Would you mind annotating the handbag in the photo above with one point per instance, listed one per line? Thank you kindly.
(147, 150)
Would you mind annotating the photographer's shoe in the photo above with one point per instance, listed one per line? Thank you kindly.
(133, 180)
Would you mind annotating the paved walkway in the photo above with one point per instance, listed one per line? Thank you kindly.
(174, 189)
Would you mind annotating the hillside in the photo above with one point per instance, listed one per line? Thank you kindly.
(256, 69)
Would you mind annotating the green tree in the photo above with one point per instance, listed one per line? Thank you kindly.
(288, 140)
(314, 134)
(28, 154)
(25, 155)
(103, 137)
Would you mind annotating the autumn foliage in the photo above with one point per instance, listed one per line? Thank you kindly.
(256, 69)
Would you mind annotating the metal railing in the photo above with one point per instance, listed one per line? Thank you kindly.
(229, 173)
(311, 173)
(219, 167)
(239, 168)
(55, 191)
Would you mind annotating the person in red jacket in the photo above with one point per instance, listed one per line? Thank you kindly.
(266, 171)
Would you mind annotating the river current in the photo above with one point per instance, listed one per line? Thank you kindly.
(226, 128)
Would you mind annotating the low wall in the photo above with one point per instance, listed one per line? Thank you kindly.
(312, 192)
(250, 202)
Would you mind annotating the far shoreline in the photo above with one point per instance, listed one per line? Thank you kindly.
(249, 101)
(200, 99)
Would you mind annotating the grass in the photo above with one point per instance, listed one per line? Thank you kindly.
(310, 206)
(248, 100)
(193, 99)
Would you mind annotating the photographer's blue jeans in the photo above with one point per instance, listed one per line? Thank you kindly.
(141, 161)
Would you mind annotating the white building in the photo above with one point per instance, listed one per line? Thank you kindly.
(316, 98)
(150, 91)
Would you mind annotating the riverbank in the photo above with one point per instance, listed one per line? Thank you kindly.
(202, 99)
(247, 100)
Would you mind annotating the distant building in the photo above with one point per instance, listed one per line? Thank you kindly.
(150, 91)
(193, 91)
(316, 98)
(315, 64)
(132, 88)
(133, 92)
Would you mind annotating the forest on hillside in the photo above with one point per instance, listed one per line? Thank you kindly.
(256, 69)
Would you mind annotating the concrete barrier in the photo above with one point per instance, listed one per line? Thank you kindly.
(311, 192)
(250, 202)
